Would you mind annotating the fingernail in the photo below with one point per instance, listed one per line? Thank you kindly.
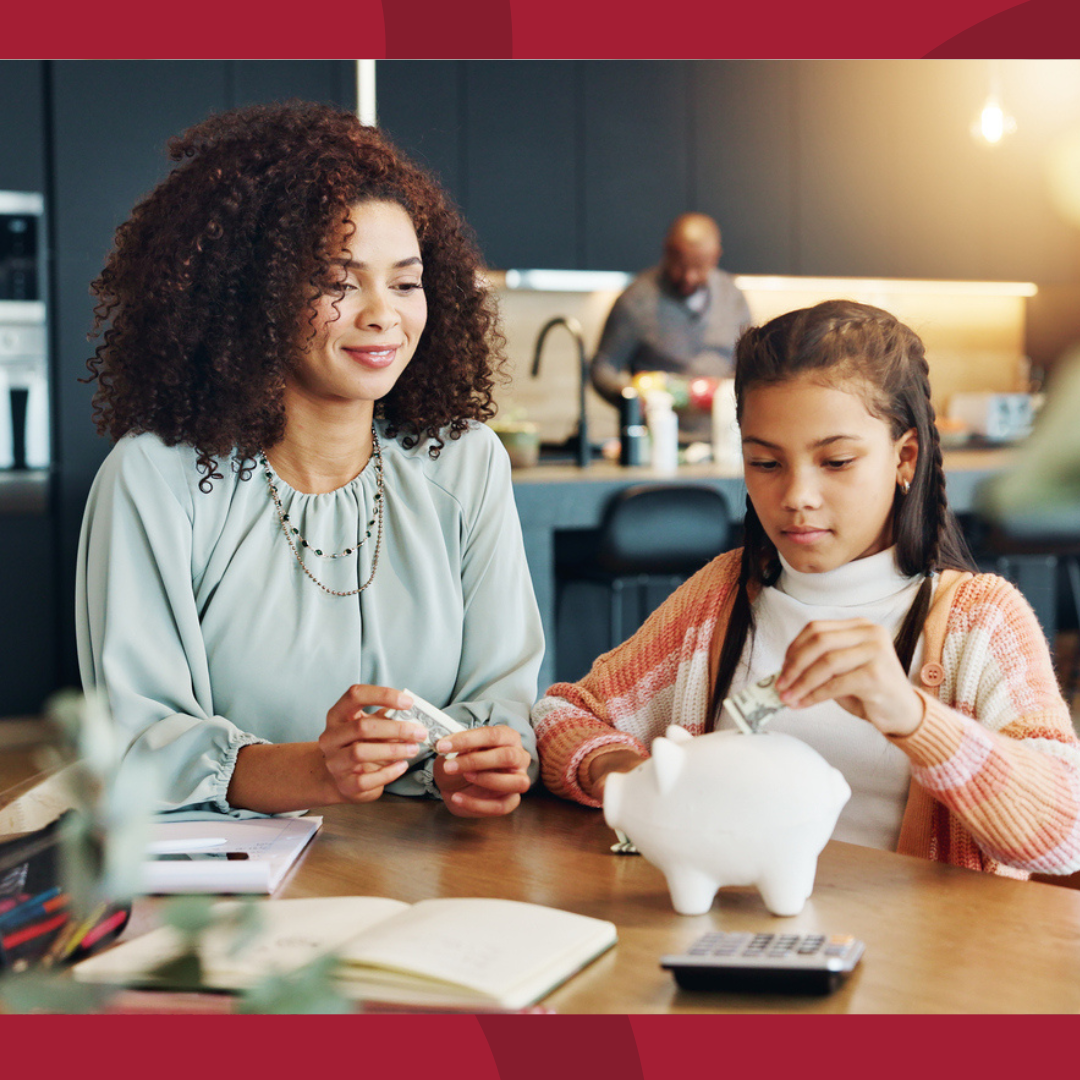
(457, 798)
(401, 766)
(444, 746)
(418, 732)
(450, 766)
(411, 749)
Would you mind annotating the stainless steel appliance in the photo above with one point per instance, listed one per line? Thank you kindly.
(24, 388)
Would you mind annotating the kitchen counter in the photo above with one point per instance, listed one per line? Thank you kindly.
(556, 497)
(24, 492)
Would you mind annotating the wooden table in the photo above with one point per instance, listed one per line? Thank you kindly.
(938, 939)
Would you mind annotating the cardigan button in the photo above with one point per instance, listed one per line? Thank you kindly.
(932, 675)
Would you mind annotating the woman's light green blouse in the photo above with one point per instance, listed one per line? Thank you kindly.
(195, 618)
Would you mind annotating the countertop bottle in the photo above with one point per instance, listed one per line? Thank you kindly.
(663, 431)
(726, 440)
(633, 434)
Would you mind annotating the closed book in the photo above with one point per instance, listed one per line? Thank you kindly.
(229, 855)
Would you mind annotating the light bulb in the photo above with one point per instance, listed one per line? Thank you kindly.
(993, 123)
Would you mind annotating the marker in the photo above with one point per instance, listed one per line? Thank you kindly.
(170, 847)
(28, 933)
(44, 902)
(90, 939)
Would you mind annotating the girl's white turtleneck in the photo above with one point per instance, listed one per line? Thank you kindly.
(878, 772)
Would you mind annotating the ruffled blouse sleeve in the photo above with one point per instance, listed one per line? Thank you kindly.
(138, 629)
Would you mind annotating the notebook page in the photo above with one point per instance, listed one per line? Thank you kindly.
(491, 947)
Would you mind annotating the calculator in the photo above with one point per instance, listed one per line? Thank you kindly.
(781, 963)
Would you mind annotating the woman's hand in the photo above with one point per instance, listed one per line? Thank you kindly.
(854, 663)
(489, 774)
(364, 751)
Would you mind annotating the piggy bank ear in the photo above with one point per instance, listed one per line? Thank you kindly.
(667, 759)
(677, 734)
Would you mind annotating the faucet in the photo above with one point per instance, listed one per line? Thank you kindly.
(584, 450)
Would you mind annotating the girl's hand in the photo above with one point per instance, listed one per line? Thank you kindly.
(489, 774)
(603, 765)
(853, 662)
(363, 751)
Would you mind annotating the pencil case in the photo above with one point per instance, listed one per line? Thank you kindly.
(37, 921)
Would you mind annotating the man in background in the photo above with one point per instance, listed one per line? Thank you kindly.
(682, 316)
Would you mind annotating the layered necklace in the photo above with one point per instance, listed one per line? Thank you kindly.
(297, 542)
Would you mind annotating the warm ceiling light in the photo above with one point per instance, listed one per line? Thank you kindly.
(993, 123)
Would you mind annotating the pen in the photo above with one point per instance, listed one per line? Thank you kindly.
(69, 940)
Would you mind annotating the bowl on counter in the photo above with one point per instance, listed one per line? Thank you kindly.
(522, 441)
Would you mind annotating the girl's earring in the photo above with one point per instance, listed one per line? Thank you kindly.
(905, 486)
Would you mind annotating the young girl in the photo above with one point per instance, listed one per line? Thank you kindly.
(927, 684)
(302, 516)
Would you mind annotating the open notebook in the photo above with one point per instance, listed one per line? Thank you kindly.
(472, 953)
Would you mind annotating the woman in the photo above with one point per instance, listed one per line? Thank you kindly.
(302, 515)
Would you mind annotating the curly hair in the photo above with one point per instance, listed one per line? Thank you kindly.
(212, 280)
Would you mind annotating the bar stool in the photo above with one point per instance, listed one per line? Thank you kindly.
(1045, 567)
(652, 538)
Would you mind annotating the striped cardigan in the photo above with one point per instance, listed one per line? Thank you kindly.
(995, 761)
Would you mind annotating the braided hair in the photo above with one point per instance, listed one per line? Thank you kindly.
(840, 342)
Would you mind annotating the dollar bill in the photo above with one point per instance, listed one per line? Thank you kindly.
(423, 712)
(753, 707)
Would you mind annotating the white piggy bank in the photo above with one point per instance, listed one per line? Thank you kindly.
(730, 809)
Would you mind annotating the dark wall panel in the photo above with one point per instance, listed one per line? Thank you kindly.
(745, 172)
(252, 82)
(523, 161)
(420, 108)
(849, 176)
(22, 115)
(636, 159)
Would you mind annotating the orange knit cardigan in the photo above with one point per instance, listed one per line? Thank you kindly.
(995, 761)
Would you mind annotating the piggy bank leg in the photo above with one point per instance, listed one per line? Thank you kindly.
(786, 888)
(692, 892)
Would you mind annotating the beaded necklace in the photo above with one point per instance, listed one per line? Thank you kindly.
(290, 531)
